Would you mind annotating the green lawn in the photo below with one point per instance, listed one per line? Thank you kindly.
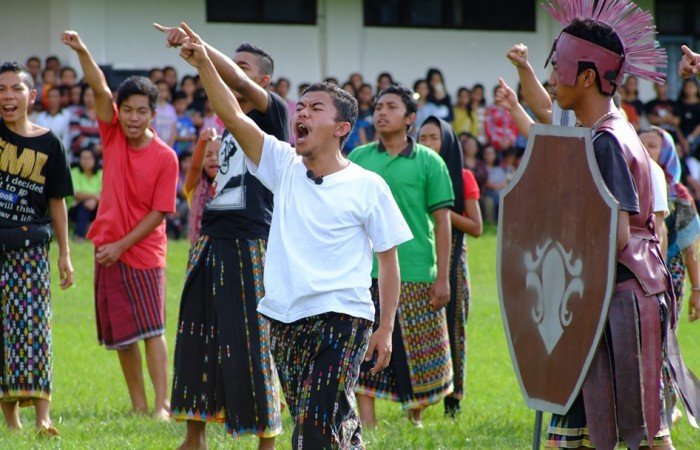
(91, 404)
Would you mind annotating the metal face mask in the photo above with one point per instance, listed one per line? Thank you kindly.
(569, 50)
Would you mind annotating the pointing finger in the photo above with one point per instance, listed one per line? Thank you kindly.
(687, 52)
(161, 28)
(188, 30)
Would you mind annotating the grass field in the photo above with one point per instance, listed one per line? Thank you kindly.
(91, 405)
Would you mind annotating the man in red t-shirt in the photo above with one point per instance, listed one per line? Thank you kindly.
(139, 189)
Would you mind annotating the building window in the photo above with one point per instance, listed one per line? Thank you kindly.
(512, 15)
(678, 17)
(296, 12)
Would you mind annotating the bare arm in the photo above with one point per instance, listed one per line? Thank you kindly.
(389, 288)
(59, 219)
(506, 97)
(227, 69)
(690, 255)
(195, 171)
(246, 132)
(660, 227)
(93, 75)
(534, 93)
(110, 253)
(472, 222)
(440, 290)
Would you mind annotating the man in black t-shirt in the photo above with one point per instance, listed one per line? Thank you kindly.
(34, 180)
(224, 282)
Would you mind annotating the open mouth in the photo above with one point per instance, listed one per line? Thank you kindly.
(301, 132)
(9, 108)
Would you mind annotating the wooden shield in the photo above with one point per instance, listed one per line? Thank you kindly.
(557, 232)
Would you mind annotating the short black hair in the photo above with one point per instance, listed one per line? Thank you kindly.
(265, 61)
(14, 66)
(600, 34)
(65, 69)
(52, 58)
(178, 95)
(33, 58)
(406, 95)
(345, 105)
(137, 85)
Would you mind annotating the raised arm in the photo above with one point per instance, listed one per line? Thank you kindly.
(93, 75)
(534, 93)
(227, 69)
(506, 97)
(195, 172)
(246, 132)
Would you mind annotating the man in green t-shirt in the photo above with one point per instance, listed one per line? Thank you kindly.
(420, 372)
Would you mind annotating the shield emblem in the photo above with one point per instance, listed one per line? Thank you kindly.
(557, 233)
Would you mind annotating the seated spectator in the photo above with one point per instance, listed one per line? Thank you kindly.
(155, 75)
(186, 131)
(628, 107)
(631, 85)
(437, 93)
(165, 121)
(48, 80)
(477, 104)
(384, 80)
(689, 113)
(170, 78)
(465, 119)
(426, 108)
(356, 80)
(471, 158)
(210, 119)
(499, 127)
(663, 111)
(499, 177)
(283, 91)
(68, 77)
(84, 131)
(365, 106)
(87, 185)
(56, 118)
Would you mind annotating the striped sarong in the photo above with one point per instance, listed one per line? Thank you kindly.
(129, 304)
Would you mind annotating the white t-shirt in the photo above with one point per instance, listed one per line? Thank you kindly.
(658, 180)
(319, 253)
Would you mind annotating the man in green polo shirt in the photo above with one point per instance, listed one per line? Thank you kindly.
(420, 372)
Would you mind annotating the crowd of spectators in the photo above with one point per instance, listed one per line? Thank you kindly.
(490, 140)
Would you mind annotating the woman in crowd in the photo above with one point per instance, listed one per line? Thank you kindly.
(466, 220)
(83, 125)
(437, 93)
(87, 185)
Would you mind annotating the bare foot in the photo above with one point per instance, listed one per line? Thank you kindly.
(188, 445)
(161, 414)
(416, 417)
(47, 431)
(266, 444)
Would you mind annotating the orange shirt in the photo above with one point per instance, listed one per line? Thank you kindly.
(135, 182)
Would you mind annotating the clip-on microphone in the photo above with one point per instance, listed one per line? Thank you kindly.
(311, 176)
